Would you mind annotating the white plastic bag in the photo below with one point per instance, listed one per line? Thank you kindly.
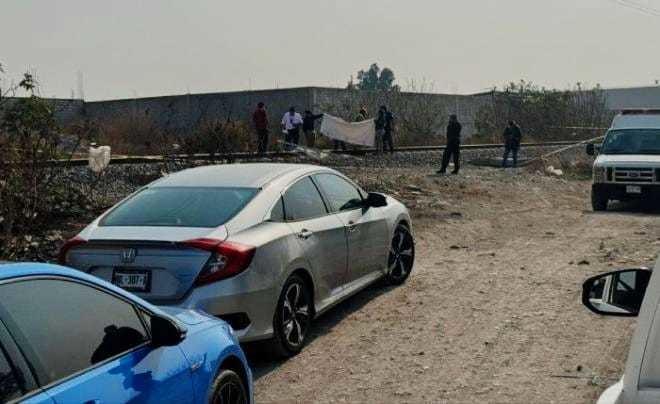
(99, 158)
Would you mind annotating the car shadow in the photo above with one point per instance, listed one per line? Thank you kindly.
(262, 360)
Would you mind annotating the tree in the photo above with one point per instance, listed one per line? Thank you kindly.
(375, 79)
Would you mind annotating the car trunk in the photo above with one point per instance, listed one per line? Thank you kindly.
(153, 263)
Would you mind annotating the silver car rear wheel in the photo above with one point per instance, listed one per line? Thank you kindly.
(401, 256)
(293, 317)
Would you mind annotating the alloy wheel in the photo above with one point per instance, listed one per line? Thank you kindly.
(230, 392)
(295, 314)
(402, 253)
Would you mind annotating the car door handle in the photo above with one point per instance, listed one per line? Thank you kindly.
(352, 227)
(304, 234)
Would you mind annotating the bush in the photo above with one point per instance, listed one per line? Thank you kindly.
(543, 114)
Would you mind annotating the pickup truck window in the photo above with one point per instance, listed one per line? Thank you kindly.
(632, 141)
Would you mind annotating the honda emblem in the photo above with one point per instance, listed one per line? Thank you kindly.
(128, 255)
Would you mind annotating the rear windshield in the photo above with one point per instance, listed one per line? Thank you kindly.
(632, 141)
(180, 207)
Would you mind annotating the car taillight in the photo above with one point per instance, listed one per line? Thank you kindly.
(64, 250)
(227, 259)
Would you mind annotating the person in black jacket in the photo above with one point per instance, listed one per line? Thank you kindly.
(512, 137)
(453, 148)
(308, 127)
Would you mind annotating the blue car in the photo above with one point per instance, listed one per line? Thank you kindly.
(66, 337)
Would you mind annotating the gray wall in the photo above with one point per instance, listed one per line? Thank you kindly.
(637, 97)
(66, 111)
(184, 112)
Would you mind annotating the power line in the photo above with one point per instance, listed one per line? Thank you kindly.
(648, 10)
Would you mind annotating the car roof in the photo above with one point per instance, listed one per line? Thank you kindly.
(21, 270)
(248, 175)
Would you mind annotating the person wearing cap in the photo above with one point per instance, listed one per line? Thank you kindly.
(453, 148)
(260, 120)
(291, 123)
(512, 137)
(308, 127)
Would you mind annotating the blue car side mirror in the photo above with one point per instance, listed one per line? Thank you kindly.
(165, 332)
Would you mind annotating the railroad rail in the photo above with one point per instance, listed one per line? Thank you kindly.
(119, 159)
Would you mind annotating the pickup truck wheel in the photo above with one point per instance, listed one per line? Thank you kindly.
(599, 201)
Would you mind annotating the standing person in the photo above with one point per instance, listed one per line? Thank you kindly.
(260, 120)
(362, 115)
(381, 122)
(308, 127)
(453, 147)
(388, 142)
(512, 137)
(291, 122)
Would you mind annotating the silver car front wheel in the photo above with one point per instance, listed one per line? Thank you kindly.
(401, 256)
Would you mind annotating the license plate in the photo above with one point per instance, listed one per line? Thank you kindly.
(132, 280)
(633, 189)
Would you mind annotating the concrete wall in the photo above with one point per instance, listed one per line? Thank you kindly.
(66, 111)
(184, 112)
(636, 97)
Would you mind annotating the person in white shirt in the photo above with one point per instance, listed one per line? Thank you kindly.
(291, 122)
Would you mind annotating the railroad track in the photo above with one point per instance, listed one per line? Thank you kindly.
(118, 160)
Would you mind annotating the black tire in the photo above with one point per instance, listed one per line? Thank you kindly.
(599, 201)
(228, 388)
(293, 317)
(401, 257)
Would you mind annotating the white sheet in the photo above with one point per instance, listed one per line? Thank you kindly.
(359, 133)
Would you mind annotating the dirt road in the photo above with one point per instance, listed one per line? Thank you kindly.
(492, 311)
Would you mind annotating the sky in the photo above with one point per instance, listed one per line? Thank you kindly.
(139, 48)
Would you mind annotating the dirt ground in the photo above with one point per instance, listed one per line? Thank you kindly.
(492, 311)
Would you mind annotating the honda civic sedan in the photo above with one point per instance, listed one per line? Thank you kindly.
(68, 337)
(266, 247)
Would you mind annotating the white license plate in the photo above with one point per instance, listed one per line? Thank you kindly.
(633, 189)
(137, 281)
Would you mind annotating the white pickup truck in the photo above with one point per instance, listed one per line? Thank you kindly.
(628, 162)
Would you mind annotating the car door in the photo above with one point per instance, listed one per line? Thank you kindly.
(320, 234)
(87, 345)
(366, 229)
(16, 382)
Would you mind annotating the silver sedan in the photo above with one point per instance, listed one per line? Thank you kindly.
(266, 247)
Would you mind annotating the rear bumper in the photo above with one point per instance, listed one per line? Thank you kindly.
(619, 191)
(233, 298)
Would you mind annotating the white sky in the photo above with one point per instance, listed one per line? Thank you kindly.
(127, 48)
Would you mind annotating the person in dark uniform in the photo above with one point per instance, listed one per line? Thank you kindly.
(512, 137)
(388, 142)
(308, 127)
(260, 120)
(453, 148)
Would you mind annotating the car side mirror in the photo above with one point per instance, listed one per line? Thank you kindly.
(165, 332)
(375, 200)
(618, 293)
(591, 149)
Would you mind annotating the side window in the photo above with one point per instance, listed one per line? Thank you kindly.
(64, 327)
(277, 214)
(341, 194)
(9, 386)
(303, 201)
